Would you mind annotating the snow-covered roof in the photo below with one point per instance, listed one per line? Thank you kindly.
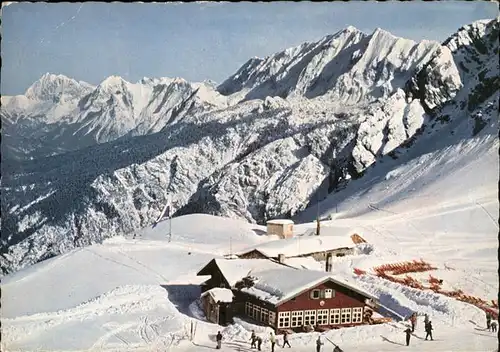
(304, 263)
(301, 245)
(280, 222)
(277, 286)
(219, 294)
(236, 269)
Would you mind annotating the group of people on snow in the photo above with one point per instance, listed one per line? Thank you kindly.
(256, 341)
(427, 327)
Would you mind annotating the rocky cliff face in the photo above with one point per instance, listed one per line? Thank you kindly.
(286, 131)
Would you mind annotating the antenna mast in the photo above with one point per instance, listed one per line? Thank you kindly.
(169, 227)
(230, 246)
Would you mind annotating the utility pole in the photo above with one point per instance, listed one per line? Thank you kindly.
(317, 215)
(230, 246)
(170, 229)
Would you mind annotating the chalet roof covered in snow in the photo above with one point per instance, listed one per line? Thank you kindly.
(219, 294)
(277, 286)
(234, 270)
(301, 245)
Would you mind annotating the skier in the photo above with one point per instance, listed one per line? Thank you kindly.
(488, 320)
(494, 326)
(408, 332)
(318, 344)
(253, 338)
(413, 320)
(426, 320)
(219, 340)
(428, 330)
(259, 342)
(273, 341)
(285, 340)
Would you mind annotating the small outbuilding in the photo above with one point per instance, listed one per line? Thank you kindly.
(217, 305)
(280, 227)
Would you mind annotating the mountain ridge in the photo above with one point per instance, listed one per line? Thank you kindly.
(238, 158)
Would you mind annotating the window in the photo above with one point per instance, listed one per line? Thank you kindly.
(334, 316)
(322, 316)
(248, 309)
(272, 318)
(297, 318)
(309, 317)
(315, 294)
(283, 319)
(329, 293)
(357, 315)
(345, 317)
(264, 315)
(256, 312)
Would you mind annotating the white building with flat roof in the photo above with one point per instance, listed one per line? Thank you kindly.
(280, 227)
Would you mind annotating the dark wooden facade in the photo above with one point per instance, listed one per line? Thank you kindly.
(341, 307)
(217, 312)
(253, 254)
(216, 277)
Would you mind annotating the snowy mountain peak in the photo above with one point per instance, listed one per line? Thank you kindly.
(113, 82)
(470, 33)
(351, 29)
(350, 66)
(51, 86)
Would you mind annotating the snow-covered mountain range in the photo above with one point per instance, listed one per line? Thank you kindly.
(58, 114)
(273, 139)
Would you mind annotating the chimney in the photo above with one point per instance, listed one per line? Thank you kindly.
(281, 258)
(329, 257)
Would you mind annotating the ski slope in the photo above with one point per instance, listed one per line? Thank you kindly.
(138, 293)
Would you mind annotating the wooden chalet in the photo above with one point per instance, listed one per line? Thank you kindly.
(308, 246)
(285, 298)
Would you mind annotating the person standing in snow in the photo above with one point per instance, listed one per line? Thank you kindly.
(273, 341)
(318, 344)
(259, 342)
(488, 320)
(219, 340)
(253, 338)
(408, 335)
(494, 326)
(285, 340)
(413, 321)
(428, 330)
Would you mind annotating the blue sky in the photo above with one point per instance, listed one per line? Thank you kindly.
(196, 41)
